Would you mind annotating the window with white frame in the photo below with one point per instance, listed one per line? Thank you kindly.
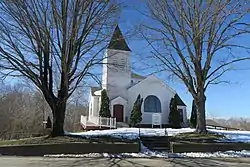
(152, 104)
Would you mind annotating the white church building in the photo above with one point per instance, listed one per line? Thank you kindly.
(123, 86)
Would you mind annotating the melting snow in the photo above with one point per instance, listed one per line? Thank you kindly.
(234, 136)
(152, 154)
(133, 133)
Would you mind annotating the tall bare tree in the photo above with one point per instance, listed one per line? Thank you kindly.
(54, 44)
(194, 39)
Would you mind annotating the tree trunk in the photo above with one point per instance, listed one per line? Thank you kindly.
(201, 117)
(58, 119)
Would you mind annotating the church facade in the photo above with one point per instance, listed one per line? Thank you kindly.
(123, 86)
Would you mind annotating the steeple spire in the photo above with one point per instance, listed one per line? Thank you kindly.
(117, 41)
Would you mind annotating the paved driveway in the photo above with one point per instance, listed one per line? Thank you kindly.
(106, 162)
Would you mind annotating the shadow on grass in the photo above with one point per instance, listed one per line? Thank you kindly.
(68, 138)
(196, 137)
(102, 138)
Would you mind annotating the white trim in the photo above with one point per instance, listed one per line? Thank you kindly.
(98, 92)
(156, 78)
(98, 121)
(119, 100)
(184, 114)
(125, 51)
(119, 97)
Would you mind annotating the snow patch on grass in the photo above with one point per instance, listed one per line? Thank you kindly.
(152, 154)
(234, 136)
(146, 153)
(134, 133)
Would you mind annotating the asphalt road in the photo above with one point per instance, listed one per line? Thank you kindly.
(128, 162)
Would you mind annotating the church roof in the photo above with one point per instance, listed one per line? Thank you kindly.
(155, 78)
(117, 41)
(134, 75)
(94, 89)
(179, 101)
(118, 97)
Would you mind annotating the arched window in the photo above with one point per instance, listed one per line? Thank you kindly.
(152, 104)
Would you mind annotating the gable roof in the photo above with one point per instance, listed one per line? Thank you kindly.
(156, 78)
(117, 41)
(118, 97)
(179, 101)
(134, 75)
(94, 89)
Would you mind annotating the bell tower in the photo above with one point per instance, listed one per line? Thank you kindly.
(116, 74)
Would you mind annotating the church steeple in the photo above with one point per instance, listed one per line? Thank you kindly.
(117, 41)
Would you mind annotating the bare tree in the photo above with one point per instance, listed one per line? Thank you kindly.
(23, 110)
(54, 44)
(19, 112)
(194, 40)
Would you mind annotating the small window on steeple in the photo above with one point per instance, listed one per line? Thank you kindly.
(123, 63)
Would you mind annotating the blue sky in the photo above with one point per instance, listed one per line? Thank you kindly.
(225, 100)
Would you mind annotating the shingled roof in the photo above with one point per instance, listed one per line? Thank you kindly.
(117, 41)
(134, 75)
(179, 101)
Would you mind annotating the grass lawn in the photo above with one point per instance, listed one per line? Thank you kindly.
(195, 137)
(62, 139)
(42, 140)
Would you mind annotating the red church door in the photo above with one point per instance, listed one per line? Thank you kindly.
(118, 112)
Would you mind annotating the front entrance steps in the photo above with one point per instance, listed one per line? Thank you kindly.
(156, 143)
